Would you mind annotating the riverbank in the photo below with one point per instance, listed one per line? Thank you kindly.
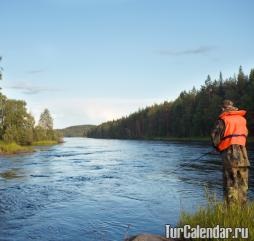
(13, 148)
(250, 140)
(190, 139)
(218, 213)
(46, 143)
(211, 219)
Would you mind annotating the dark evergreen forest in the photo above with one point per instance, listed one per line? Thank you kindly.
(192, 114)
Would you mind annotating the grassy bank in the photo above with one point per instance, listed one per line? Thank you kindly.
(13, 148)
(45, 143)
(218, 213)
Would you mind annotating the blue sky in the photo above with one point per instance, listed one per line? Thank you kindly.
(89, 61)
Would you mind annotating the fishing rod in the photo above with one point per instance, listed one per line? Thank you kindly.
(194, 160)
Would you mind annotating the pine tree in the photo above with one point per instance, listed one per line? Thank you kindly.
(220, 78)
(46, 121)
(241, 79)
(251, 76)
(208, 80)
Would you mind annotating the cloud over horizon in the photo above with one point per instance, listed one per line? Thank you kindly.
(194, 51)
(28, 89)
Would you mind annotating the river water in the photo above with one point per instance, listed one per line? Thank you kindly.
(104, 190)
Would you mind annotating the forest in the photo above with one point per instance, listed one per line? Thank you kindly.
(191, 114)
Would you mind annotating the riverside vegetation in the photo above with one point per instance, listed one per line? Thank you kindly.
(219, 213)
(18, 132)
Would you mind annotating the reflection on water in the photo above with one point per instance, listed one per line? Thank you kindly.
(10, 174)
(88, 189)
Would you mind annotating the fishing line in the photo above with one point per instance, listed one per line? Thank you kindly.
(193, 160)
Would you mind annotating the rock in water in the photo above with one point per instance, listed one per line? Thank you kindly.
(148, 237)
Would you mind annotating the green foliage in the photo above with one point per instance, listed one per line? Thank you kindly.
(17, 123)
(18, 126)
(192, 114)
(2, 104)
(40, 134)
(44, 131)
(218, 213)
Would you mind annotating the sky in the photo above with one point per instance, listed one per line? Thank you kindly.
(90, 61)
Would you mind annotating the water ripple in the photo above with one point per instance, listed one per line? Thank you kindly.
(91, 189)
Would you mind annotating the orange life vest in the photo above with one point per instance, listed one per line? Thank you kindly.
(235, 129)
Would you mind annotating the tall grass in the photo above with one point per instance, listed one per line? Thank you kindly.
(219, 213)
(13, 148)
(45, 143)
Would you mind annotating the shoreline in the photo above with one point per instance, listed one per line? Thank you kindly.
(46, 143)
(180, 139)
(250, 140)
(16, 149)
(13, 149)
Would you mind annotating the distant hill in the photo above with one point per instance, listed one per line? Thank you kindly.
(76, 131)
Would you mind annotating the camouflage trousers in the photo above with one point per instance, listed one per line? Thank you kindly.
(235, 174)
(235, 184)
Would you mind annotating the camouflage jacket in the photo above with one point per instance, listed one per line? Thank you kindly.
(235, 155)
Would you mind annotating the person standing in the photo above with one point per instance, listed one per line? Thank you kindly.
(229, 138)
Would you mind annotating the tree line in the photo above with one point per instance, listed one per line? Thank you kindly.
(192, 114)
(18, 126)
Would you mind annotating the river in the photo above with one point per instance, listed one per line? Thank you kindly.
(104, 190)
